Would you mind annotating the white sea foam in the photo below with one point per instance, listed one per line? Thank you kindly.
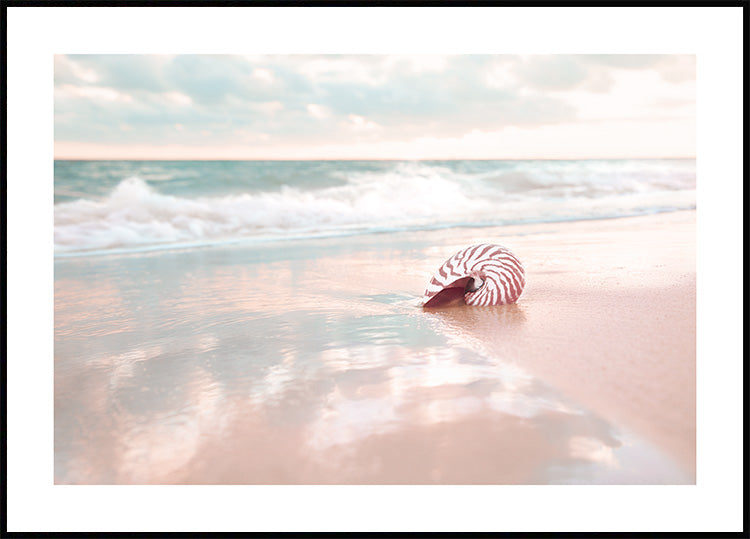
(134, 215)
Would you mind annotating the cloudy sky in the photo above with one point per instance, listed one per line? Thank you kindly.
(374, 107)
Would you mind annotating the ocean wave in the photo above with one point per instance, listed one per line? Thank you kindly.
(137, 215)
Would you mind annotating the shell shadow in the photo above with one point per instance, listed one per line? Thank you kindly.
(486, 330)
(490, 317)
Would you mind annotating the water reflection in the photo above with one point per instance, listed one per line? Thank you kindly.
(222, 381)
(96, 311)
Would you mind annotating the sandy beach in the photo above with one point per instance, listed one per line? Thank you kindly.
(312, 362)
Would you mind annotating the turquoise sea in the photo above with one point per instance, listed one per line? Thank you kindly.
(101, 206)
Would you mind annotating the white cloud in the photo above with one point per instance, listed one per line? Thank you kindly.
(359, 123)
(500, 75)
(417, 63)
(96, 93)
(551, 72)
(678, 68)
(263, 75)
(86, 75)
(344, 69)
(81, 72)
(268, 107)
(248, 135)
(633, 95)
(178, 98)
(318, 111)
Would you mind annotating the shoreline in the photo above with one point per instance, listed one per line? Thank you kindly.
(249, 242)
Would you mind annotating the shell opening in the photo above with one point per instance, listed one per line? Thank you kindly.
(451, 294)
(474, 284)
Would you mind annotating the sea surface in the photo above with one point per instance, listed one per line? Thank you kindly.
(259, 323)
(104, 206)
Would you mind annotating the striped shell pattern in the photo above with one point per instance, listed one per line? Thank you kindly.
(488, 275)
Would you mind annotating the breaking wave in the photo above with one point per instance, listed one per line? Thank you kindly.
(136, 215)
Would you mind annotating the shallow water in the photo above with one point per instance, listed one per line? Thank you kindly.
(306, 362)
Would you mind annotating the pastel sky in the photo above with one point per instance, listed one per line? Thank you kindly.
(374, 106)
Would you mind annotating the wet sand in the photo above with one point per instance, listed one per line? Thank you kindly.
(609, 318)
(312, 362)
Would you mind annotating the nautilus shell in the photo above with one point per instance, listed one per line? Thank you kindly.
(483, 274)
